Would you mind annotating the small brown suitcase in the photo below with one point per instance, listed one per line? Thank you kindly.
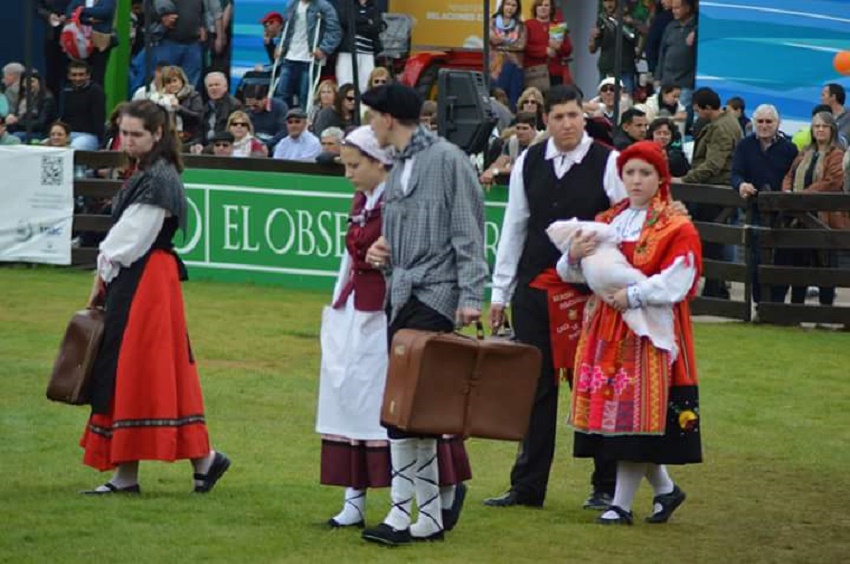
(446, 383)
(72, 370)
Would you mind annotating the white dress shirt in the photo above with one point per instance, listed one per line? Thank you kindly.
(515, 224)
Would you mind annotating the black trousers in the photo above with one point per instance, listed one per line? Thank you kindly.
(808, 258)
(415, 315)
(530, 474)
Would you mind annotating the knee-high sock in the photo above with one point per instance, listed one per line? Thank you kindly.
(657, 476)
(403, 460)
(353, 508)
(427, 490)
(659, 479)
(629, 475)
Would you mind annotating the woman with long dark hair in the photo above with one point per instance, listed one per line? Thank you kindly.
(146, 396)
(341, 115)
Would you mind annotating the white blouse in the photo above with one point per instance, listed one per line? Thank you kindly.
(129, 239)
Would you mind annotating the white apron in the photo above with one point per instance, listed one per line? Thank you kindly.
(353, 369)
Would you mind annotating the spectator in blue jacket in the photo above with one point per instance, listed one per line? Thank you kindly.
(759, 164)
(309, 23)
(99, 14)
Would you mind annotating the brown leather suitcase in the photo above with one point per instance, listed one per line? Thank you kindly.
(446, 383)
(72, 369)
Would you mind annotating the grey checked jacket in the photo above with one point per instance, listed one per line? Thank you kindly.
(436, 231)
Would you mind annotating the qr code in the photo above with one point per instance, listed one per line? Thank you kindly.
(52, 171)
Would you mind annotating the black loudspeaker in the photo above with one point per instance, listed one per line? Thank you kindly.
(464, 114)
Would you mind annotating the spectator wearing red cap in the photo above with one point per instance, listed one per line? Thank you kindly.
(272, 30)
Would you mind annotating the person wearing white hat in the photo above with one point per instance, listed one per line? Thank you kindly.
(603, 104)
(355, 451)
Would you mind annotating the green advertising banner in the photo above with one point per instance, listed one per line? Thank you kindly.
(279, 228)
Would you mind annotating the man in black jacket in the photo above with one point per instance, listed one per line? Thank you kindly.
(83, 108)
(632, 129)
(219, 105)
(363, 37)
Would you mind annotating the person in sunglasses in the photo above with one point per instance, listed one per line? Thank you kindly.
(341, 114)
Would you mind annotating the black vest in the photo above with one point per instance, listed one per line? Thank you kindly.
(580, 193)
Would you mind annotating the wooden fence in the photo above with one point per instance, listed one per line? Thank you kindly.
(771, 234)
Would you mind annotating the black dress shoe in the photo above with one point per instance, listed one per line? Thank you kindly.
(438, 536)
(334, 524)
(598, 501)
(387, 536)
(217, 469)
(669, 503)
(623, 517)
(452, 515)
(113, 489)
(512, 498)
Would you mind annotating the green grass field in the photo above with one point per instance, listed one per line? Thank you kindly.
(774, 487)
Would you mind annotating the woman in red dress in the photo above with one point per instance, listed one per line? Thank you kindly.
(633, 402)
(547, 46)
(146, 396)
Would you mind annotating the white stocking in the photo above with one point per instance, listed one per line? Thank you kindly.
(403, 460)
(427, 491)
(629, 475)
(657, 476)
(353, 508)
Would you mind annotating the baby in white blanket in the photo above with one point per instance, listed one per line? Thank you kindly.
(606, 269)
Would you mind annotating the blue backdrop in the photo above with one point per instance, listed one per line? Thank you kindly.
(772, 51)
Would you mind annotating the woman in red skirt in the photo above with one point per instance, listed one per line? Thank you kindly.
(635, 399)
(146, 396)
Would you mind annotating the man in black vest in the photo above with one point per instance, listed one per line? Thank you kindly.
(567, 176)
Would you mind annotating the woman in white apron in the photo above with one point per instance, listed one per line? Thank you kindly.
(355, 449)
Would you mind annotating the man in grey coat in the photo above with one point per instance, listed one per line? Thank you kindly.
(432, 251)
(677, 55)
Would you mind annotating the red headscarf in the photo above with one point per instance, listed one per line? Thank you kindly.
(654, 154)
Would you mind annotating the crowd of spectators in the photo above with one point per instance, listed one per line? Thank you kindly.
(291, 108)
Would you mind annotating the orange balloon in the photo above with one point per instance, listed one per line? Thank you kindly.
(841, 62)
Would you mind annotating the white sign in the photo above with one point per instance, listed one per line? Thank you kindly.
(36, 204)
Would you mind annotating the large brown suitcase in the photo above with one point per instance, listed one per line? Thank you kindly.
(72, 370)
(446, 383)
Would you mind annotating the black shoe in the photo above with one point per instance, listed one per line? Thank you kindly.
(334, 524)
(510, 499)
(113, 489)
(623, 517)
(669, 503)
(386, 535)
(217, 469)
(452, 515)
(598, 501)
(438, 536)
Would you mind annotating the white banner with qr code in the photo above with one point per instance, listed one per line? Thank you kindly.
(36, 204)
